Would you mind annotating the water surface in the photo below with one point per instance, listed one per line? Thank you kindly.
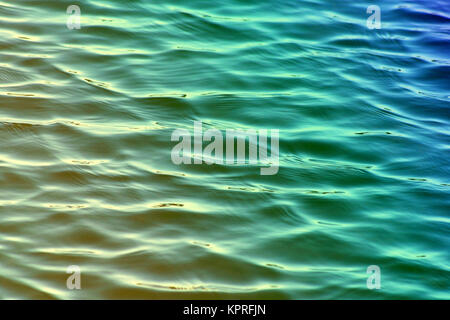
(86, 118)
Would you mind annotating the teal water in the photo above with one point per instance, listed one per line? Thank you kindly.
(86, 118)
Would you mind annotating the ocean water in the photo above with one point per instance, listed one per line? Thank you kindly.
(86, 176)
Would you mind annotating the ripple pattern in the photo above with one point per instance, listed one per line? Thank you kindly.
(86, 118)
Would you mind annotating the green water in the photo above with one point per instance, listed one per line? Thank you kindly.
(86, 176)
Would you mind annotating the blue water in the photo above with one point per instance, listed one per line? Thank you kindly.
(86, 118)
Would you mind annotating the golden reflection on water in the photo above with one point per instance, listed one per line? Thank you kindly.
(86, 118)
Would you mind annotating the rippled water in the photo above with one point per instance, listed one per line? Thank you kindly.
(86, 118)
